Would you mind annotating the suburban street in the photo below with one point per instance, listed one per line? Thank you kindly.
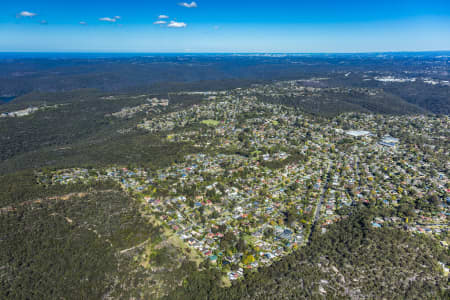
(319, 205)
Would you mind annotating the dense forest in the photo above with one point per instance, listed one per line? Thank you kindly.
(64, 245)
(21, 76)
(330, 104)
(78, 131)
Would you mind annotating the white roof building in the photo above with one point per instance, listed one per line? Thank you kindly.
(358, 133)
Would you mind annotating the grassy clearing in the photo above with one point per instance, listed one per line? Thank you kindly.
(211, 123)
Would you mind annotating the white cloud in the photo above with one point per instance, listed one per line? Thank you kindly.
(117, 17)
(163, 17)
(27, 14)
(83, 23)
(174, 24)
(106, 19)
(188, 5)
(160, 22)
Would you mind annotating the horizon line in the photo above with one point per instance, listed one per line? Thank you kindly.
(220, 52)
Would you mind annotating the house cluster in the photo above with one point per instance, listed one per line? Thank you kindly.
(306, 88)
(28, 111)
(427, 80)
(265, 173)
(207, 199)
(153, 105)
(394, 79)
(19, 113)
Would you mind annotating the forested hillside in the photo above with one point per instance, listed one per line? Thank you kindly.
(67, 245)
(20, 76)
(352, 260)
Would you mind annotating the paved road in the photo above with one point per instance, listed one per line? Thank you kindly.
(319, 205)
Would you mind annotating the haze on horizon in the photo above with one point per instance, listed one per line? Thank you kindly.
(224, 26)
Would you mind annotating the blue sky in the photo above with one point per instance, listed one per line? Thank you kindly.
(224, 26)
